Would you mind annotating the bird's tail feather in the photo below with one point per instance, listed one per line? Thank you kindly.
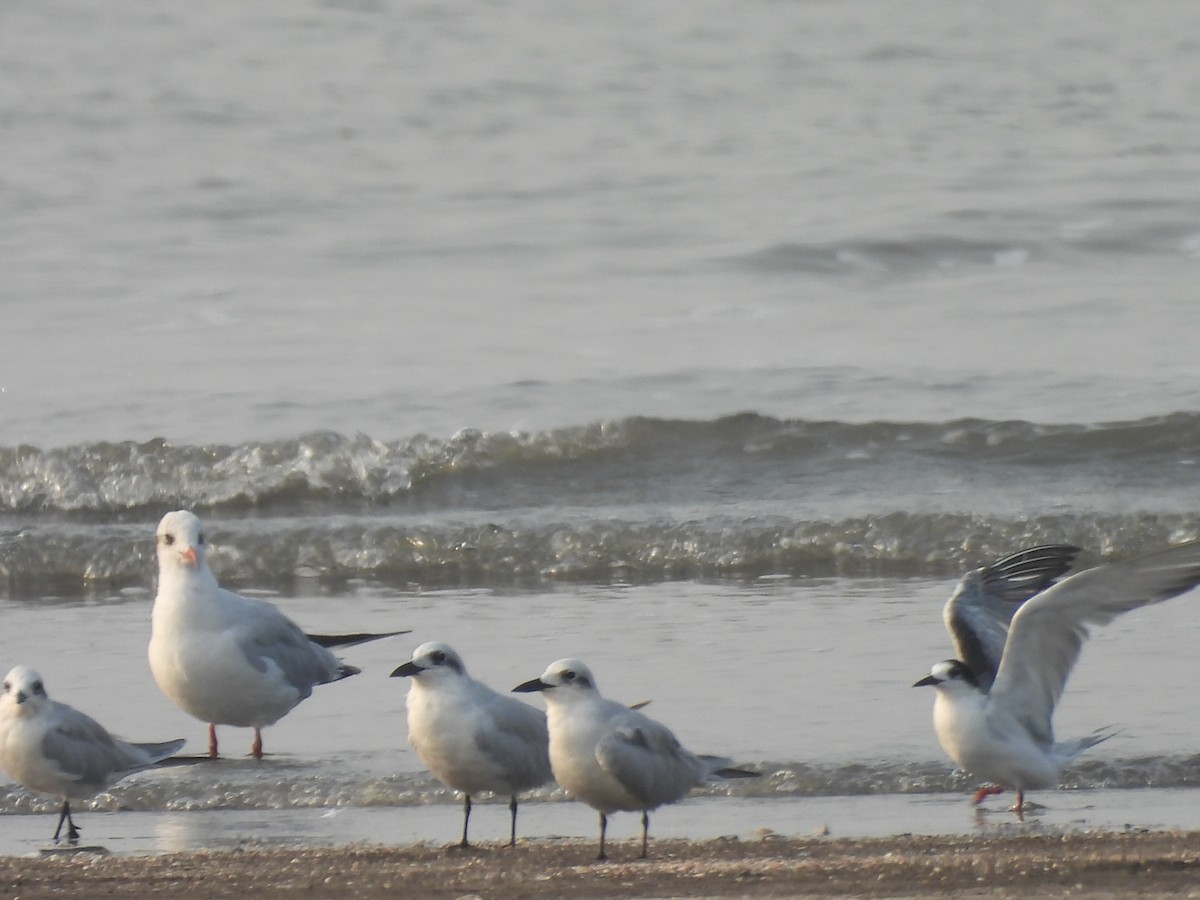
(1072, 748)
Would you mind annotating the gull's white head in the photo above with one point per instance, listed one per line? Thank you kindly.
(950, 675)
(180, 541)
(433, 661)
(24, 693)
(562, 679)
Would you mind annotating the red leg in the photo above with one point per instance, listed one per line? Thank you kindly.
(212, 742)
(986, 791)
(1019, 809)
(256, 747)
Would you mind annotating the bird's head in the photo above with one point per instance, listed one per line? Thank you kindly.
(561, 680)
(432, 660)
(949, 674)
(23, 693)
(180, 541)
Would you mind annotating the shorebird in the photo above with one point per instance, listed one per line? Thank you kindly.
(470, 737)
(55, 749)
(613, 757)
(224, 658)
(1019, 633)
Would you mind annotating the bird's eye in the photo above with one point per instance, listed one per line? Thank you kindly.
(438, 657)
(7, 687)
(38, 688)
(568, 675)
(168, 539)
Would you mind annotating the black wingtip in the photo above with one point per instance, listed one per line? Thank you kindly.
(351, 640)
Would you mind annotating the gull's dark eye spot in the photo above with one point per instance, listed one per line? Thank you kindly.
(168, 539)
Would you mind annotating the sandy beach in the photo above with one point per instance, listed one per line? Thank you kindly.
(1148, 864)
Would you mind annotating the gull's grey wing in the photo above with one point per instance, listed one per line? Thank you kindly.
(648, 761)
(264, 633)
(86, 753)
(1048, 631)
(516, 740)
(978, 614)
(159, 751)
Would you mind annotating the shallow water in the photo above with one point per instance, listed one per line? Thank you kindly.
(695, 819)
(761, 672)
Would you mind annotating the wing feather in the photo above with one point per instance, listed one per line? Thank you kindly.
(265, 633)
(648, 761)
(982, 606)
(84, 751)
(515, 737)
(1048, 631)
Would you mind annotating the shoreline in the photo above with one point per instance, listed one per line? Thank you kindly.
(1095, 864)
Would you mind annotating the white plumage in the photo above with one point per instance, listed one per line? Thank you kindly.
(613, 757)
(471, 738)
(224, 658)
(994, 707)
(54, 749)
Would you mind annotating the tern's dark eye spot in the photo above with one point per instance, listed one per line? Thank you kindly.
(168, 539)
(438, 657)
(568, 675)
(7, 687)
(38, 688)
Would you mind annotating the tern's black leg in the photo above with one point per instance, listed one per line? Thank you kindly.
(645, 831)
(65, 816)
(466, 819)
(603, 828)
(512, 806)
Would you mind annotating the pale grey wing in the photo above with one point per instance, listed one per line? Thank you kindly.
(1048, 631)
(85, 752)
(978, 614)
(513, 735)
(264, 633)
(157, 751)
(649, 762)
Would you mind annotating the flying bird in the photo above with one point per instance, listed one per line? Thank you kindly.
(54, 749)
(613, 757)
(470, 737)
(1019, 631)
(228, 659)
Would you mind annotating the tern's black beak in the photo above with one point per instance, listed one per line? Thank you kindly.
(529, 687)
(928, 681)
(409, 668)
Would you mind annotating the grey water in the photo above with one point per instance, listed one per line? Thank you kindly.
(706, 341)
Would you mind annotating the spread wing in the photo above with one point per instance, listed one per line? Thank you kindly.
(982, 606)
(1048, 631)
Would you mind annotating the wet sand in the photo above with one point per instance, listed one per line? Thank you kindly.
(1149, 864)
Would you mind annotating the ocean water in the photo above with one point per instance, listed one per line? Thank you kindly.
(709, 342)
